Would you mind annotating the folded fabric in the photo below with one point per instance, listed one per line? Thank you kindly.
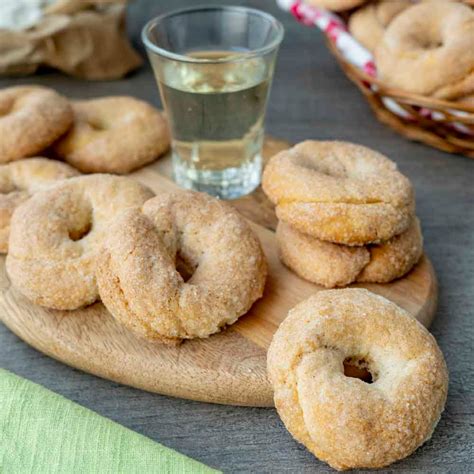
(42, 432)
(83, 38)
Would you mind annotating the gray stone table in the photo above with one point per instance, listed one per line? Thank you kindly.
(310, 98)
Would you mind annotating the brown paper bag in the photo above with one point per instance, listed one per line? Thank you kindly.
(83, 38)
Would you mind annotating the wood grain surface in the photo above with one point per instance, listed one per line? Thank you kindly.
(310, 98)
(229, 367)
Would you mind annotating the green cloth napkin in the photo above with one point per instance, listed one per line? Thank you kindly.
(42, 432)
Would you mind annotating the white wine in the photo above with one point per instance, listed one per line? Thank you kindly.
(216, 112)
(214, 67)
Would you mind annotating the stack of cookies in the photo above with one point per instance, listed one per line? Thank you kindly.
(346, 214)
(425, 48)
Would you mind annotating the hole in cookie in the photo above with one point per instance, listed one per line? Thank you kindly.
(96, 125)
(11, 188)
(328, 167)
(358, 368)
(422, 41)
(6, 108)
(80, 232)
(184, 267)
(432, 45)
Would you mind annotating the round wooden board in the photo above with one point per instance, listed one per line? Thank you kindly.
(229, 367)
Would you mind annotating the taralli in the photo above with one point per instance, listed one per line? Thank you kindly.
(183, 267)
(335, 5)
(332, 265)
(356, 379)
(394, 258)
(19, 180)
(368, 24)
(318, 261)
(339, 192)
(31, 118)
(428, 49)
(55, 238)
(114, 135)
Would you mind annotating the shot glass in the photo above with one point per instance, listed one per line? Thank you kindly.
(214, 67)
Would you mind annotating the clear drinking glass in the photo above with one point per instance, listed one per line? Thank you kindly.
(214, 66)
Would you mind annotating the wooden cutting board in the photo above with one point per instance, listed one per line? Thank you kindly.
(226, 368)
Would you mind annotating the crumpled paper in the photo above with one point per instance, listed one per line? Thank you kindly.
(83, 38)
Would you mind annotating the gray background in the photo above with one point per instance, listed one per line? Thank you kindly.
(311, 98)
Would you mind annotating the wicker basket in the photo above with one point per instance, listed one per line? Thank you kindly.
(445, 125)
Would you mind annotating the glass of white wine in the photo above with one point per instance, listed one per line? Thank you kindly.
(214, 67)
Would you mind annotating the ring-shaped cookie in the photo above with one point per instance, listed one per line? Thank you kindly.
(56, 236)
(428, 49)
(339, 192)
(113, 135)
(368, 23)
(395, 258)
(332, 265)
(320, 262)
(356, 379)
(182, 267)
(19, 180)
(31, 119)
